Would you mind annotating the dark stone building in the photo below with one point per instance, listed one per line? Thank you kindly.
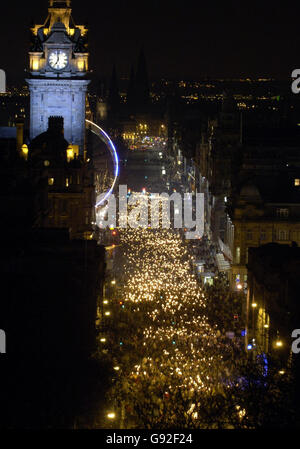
(51, 283)
(273, 308)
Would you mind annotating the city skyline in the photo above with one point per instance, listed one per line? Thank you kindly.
(150, 244)
(229, 41)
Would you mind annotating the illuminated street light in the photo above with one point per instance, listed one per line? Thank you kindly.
(278, 344)
(254, 304)
(103, 340)
(107, 313)
(111, 415)
(116, 368)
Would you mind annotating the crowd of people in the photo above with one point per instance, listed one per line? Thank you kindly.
(172, 358)
(167, 337)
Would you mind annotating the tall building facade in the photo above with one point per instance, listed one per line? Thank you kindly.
(58, 73)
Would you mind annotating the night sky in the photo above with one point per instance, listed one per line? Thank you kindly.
(180, 41)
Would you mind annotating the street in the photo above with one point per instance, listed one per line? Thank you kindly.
(168, 358)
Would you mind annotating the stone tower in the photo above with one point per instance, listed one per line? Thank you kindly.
(58, 73)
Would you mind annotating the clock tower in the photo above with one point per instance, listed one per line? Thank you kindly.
(58, 73)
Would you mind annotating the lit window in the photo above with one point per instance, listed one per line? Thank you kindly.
(50, 181)
(283, 235)
(67, 182)
(263, 235)
(249, 234)
(297, 182)
(238, 254)
(81, 65)
(282, 212)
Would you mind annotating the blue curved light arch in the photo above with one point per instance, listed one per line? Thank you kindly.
(96, 129)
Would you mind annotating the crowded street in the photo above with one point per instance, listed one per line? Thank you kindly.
(169, 360)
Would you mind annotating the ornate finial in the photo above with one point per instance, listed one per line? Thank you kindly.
(60, 4)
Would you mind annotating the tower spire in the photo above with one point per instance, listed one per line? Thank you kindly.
(142, 81)
(114, 96)
(60, 11)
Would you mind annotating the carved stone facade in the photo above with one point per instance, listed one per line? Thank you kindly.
(63, 98)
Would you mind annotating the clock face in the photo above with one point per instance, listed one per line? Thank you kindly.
(58, 59)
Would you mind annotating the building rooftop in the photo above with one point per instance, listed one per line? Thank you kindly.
(8, 132)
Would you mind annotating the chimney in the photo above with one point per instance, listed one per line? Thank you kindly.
(56, 124)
